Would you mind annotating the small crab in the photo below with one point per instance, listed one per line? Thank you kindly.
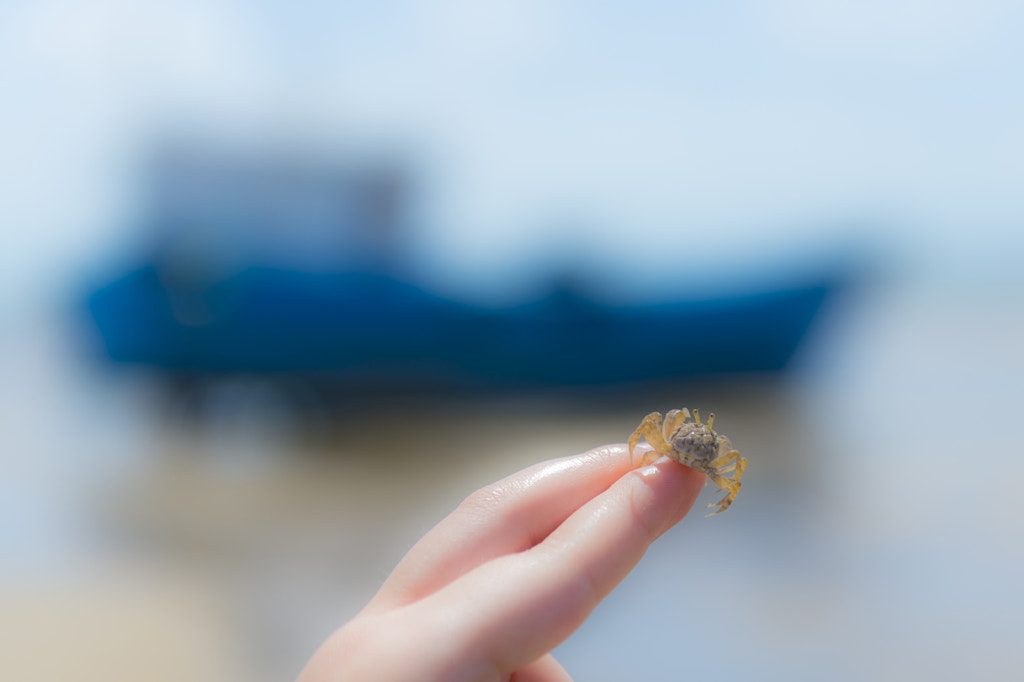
(697, 446)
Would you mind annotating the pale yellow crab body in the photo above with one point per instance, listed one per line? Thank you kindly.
(697, 446)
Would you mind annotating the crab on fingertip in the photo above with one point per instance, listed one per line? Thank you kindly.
(695, 445)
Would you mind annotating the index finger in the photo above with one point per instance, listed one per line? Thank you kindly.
(512, 610)
(506, 517)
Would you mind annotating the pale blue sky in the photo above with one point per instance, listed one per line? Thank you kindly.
(631, 132)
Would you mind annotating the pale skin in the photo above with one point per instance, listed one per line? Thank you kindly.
(511, 573)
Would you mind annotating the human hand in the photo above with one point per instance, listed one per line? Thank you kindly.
(511, 573)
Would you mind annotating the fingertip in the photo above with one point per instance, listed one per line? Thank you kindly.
(613, 454)
(668, 492)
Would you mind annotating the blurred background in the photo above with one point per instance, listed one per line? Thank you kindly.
(280, 285)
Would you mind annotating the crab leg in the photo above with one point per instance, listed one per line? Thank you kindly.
(724, 459)
(673, 420)
(722, 504)
(649, 430)
(730, 485)
(741, 466)
(730, 461)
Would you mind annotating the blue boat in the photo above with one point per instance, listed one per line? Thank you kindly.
(359, 325)
(362, 328)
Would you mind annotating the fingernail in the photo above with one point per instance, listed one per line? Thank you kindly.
(649, 470)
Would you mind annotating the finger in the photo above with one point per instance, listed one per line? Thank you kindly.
(516, 608)
(506, 517)
(544, 669)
